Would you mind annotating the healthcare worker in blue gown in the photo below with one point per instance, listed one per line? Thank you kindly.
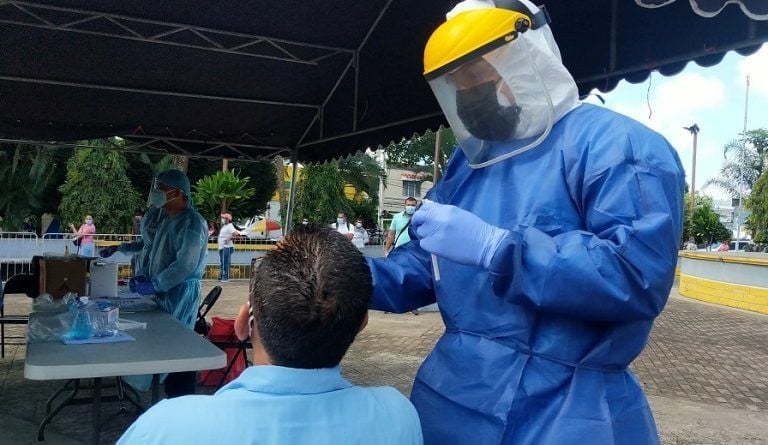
(555, 231)
(176, 261)
(143, 245)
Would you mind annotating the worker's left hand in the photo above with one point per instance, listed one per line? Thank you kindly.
(456, 234)
(146, 288)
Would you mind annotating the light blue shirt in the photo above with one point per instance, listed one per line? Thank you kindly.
(278, 405)
(399, 225)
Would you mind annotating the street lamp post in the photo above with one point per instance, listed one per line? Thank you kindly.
(694, 129)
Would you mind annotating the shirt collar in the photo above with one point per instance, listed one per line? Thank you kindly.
(281, 380)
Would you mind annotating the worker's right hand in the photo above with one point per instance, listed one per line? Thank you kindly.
(456, 234)
(134, 282)
(108, 251)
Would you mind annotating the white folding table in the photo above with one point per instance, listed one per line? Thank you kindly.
(165, 346)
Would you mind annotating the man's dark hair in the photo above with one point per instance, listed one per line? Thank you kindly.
(410, 198)
(309, 297)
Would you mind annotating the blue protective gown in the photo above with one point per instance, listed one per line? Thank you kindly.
(536, 348)
(142, 246)
(177, 262)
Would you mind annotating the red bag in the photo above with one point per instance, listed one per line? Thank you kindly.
(222, 334)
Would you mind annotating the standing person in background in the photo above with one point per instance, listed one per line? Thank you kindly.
(361, 235)
(342, 226)
(691, 244)
(397, 235)
(226, 247)
(85, 237)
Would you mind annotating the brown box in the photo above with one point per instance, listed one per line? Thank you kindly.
(59, 275)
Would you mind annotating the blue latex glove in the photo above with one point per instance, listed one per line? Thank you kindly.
(134, 282)
(146, 288)
(108, 251)
(455, 234)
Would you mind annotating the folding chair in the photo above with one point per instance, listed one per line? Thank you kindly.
(222, 335)
(202, 326)
(18, 284)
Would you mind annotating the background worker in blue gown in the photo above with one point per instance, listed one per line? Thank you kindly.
(176, 261)
(555, 230)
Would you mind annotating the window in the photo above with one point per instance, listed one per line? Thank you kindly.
(411, 188)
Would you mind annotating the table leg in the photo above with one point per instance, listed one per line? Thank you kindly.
(96, 411)
(155, 388)
(51, 399)
(47, 419)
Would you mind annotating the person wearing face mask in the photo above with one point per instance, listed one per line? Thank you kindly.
(304, 222)
(549, 244)
(342, 226)
(84, 235)
(360, 238)
(397, 235)
(176, 260)
(226, 247)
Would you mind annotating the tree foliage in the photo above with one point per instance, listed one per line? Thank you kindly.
(739, 173)
(363, 173)
(97, 185)
(705, 223)
(25, 173)
(320, 194)
(221, 192)
(419, 152)
(757, 203)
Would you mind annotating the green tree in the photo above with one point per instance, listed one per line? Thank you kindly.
(320, 194)
(221, 192)
(705, 223)
(757, 203)
(735, 174)
(418, 153)
(25, 173)
(97, 185)
(363, 173)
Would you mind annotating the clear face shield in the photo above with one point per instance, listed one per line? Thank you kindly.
(496, 103)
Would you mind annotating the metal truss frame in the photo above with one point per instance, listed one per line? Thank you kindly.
(163, 146)
(128, 28)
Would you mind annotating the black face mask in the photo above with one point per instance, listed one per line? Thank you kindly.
(482, 114)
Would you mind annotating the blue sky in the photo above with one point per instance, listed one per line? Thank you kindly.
(711, 97)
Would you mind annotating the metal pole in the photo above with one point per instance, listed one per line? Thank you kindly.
(436, 170)
(694, 129)
(292, 192)
(741, 167)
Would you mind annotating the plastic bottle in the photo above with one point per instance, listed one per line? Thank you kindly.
(66, 250)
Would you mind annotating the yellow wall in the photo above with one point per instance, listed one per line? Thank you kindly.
(728, 294)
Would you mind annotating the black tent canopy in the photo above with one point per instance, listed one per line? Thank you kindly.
(250, 80)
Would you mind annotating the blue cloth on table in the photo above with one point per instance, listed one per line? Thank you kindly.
(117, 338)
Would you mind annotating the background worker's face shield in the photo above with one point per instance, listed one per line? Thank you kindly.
(496, 104)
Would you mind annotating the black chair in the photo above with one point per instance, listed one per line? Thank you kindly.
(26, 284)
(202, 326)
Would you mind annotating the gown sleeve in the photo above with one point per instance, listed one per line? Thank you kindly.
(620, 267)
(191, 239)
(403, 280)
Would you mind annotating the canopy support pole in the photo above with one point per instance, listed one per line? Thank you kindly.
(292, 193)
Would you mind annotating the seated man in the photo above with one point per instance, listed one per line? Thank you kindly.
(310, 298)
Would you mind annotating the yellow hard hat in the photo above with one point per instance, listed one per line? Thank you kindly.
(470, 34)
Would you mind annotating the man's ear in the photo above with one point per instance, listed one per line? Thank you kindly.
(364, 323)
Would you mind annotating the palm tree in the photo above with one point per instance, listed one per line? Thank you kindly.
(23, 178)
(740, 174)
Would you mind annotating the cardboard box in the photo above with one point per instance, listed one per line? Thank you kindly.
(59, 275)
